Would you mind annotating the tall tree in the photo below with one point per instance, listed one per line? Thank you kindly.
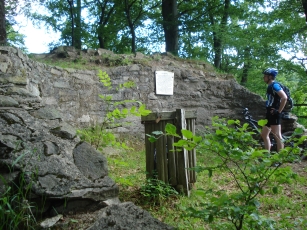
(60, 16)
(135, 13)
(170, 25)
(3, 36)
(219, 30)
(102, 10)
(75, 18)
(8, 35)
(305, 8)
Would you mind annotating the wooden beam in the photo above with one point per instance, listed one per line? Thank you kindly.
(166, 116)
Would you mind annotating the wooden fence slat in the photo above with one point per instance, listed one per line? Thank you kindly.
(159, 153)
(167, 116)
(165, 150)
(182, 155)
(171, 161)
(193, 179)
(149, 152)
(188, 152)
(176, 154)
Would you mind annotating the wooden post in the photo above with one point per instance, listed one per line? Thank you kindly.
(160, 151)
(149, 148)
(171, 166)
(165, 157)
(172, 170)
(192, 154)
(183, 182)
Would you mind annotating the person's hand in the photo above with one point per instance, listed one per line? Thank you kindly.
(274, 112)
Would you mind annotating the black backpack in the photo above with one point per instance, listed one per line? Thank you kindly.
(289, 105)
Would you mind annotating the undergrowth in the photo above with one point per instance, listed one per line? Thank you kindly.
(287, 208)
(15, 207)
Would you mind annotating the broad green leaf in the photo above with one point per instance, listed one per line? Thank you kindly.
(197, 139)
(219, 132)
(152, 139)
(245, 125)
(232, 122)
(157, 133)
(257, 154)
(133, 110)
(187, 133)
(171, 129)
(298, 131)
(181, 143)
(262, 122)
(143, 111)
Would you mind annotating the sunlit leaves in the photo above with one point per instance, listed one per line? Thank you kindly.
(254, 171)
(116, 111)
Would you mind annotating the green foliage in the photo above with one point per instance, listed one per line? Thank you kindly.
(287, 207)
(189, 141)
(254, 172)
(102, 135)
(15, 209)
(156, 191)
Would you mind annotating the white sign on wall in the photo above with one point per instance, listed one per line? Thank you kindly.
(164, 82)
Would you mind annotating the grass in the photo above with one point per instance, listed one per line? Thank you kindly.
(287, 208)
(15, 207)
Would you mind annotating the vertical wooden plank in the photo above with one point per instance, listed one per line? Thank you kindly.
(182, 156)
(153, 152)
(159, 153)
(193, 152)
(171, 161)
(189, 160)
(165, 158)
(149, 151)
(176, 154)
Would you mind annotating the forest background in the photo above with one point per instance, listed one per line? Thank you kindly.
(237, 37)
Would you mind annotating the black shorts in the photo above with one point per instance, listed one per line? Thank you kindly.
(272, 119)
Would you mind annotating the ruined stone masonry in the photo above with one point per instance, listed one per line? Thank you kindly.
(41, 106)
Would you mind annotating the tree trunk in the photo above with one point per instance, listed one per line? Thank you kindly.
(3, 37)
(217, 47)
(245, 73)
(131, 26)
(71, 9)
(246, 65)
(304, 2)
(170, 25)
(78, 26)
(218, 34)
(103, 22)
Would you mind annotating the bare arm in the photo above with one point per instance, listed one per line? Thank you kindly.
(283, 100)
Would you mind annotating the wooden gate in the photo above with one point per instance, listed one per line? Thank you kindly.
(168, 165)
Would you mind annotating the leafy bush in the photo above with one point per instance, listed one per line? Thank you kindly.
(253, 171)
(101, 135)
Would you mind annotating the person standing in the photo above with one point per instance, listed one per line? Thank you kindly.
(276, 101)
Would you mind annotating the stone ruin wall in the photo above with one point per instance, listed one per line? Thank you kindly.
(75, 92)
(41, 106)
